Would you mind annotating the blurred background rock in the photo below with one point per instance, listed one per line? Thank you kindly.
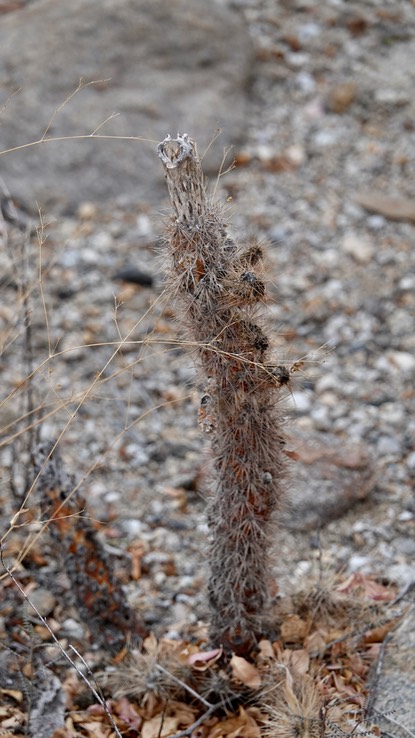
(161, 66)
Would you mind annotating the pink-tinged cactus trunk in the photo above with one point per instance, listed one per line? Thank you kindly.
(219, 289)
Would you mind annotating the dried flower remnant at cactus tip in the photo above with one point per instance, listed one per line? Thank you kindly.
(217, 285)
(179, 152)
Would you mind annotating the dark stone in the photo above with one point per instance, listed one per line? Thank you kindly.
(135, 276)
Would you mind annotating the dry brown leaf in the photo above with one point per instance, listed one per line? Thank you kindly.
(150, 644)
(184, 712)
(128, 714)
(12, 718)
(96, 710)
(187, 652)
(202, 660)
(393, 208)
(5, 711)
(160, 727)
(357, 665)
(295, 662)
(370, 587)
(99, 730)
(316, 644)
(66, 732)
(245, 672)
(238, 726)
(180, 715)
(69, 729)
(13, 693)
(342, 687)
(300, 661)
(293, 629)
(94, 728)
(95, 725)
(378, 635)
(266, 655)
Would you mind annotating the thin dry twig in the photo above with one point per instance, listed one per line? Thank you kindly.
(80, 137)
(406, 589)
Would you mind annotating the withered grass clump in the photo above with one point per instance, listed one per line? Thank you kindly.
(155, 673)
(218, 287)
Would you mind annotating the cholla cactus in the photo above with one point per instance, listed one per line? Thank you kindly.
(217, 284)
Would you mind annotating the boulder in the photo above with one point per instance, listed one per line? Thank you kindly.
(330, 478)
(160, 66)
(394, 690)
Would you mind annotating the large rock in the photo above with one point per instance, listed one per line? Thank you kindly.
(330, 477)
(175, 65)
(395, 689)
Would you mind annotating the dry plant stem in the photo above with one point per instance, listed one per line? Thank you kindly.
(100, 599)
(95, 691)
(216, 286)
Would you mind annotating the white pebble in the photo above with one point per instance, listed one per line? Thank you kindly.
(388, 446)
(358, 247)
(407, 283)
(327, 382)
(73, 629)
(357, 562)
(321, 418)
(402, 359)
(144, 225)
(302, 402)
(133, 527)
(376, 222)
(405, 515)
(100, 240)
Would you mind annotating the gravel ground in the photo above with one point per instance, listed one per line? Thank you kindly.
(332, 117)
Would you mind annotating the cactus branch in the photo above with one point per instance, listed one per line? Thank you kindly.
(217, 285)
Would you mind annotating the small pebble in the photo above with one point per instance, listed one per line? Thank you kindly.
(100, 242)
(387, 446)
(403, 360)
(358, 247)
(407, 283)
(73, 629)
(405, 545)
(320, 418)
(406, 515)
(376, 222)
(133, 527)
(87, 211)
(301, 401)
(43, 600)
(358, 563)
